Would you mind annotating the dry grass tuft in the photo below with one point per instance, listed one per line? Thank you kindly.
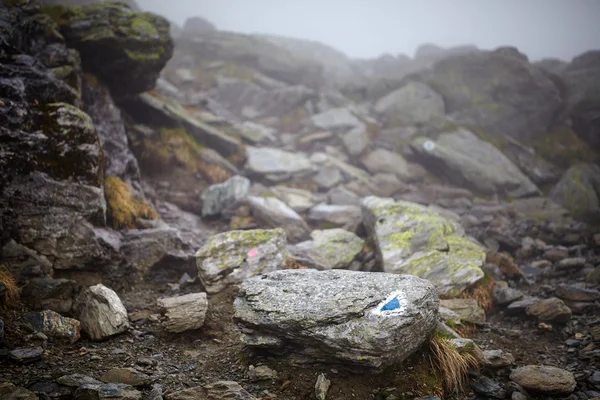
(175, 147)
(506, 263)
(10, 299)
(123, 209)
(482, 292)
(451, 365)
(293, 264)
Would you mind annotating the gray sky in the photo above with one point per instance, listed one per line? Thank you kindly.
(368, 28)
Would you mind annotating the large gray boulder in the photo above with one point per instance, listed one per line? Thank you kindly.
(413, 239)
(582, 78)
(354, 319)
(578, 191)
(411, 104)
(472, 163)
(231, 257)
(277, 165)
(498, 91)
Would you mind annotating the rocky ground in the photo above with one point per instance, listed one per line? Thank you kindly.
(199, 214)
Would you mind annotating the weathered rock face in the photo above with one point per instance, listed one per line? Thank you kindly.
(231, 257)
(355, 319)
(217, 198)
(474, 164)
(413, 103)
(412, 239)
(154, 110)
(119, 160)
(328, 249)
(125, 49)
(578, 191)
(544, 379)
(498, 91)
(253, 53)
(582, 78)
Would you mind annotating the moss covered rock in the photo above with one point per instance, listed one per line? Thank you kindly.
(578, 191)
(338, 246)
(231, 257)
(124, 48)
(412, 239)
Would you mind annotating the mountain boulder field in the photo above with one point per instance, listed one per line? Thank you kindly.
(193, 213)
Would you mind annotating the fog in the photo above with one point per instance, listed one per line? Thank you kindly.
(366, 29)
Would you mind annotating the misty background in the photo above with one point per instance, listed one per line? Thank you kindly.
(367, 29)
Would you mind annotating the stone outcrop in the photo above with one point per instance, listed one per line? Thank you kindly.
(353, 319)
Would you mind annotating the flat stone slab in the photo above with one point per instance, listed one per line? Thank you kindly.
(355, 319)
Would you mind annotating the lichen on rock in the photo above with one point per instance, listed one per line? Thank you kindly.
(124, 48)
(412, 239)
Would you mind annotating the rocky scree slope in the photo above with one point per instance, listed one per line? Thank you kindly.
(105, 179)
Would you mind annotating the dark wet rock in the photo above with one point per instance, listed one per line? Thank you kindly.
(26, 355)
(506, 295)
(154, 249)
(9, 391)
(372, 316)
(183, 313)
(544, 380)
(119, 160)
(273, 213)
(231, 257)
(550, 310)
(518, 307)
(1, 332)
(45, 389)
(50, 294)
(101, 312)
(128, 376)
(156, 393)
(217, 198)
(498, 358)
(413, 239)
(54, 325)
(126, 49)
(488, 388)
(576, 294)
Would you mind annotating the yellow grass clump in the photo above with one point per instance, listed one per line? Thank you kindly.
(124, 210)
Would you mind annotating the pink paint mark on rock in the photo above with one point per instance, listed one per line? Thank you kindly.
(252, 253)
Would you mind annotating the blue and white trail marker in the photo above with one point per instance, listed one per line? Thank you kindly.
(393, 304)
(429, 145)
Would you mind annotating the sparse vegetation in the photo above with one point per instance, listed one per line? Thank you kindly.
(563, 147)
(8, 284)
(124, 210)
(451, 365)
(482, 292)
(176, 146)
